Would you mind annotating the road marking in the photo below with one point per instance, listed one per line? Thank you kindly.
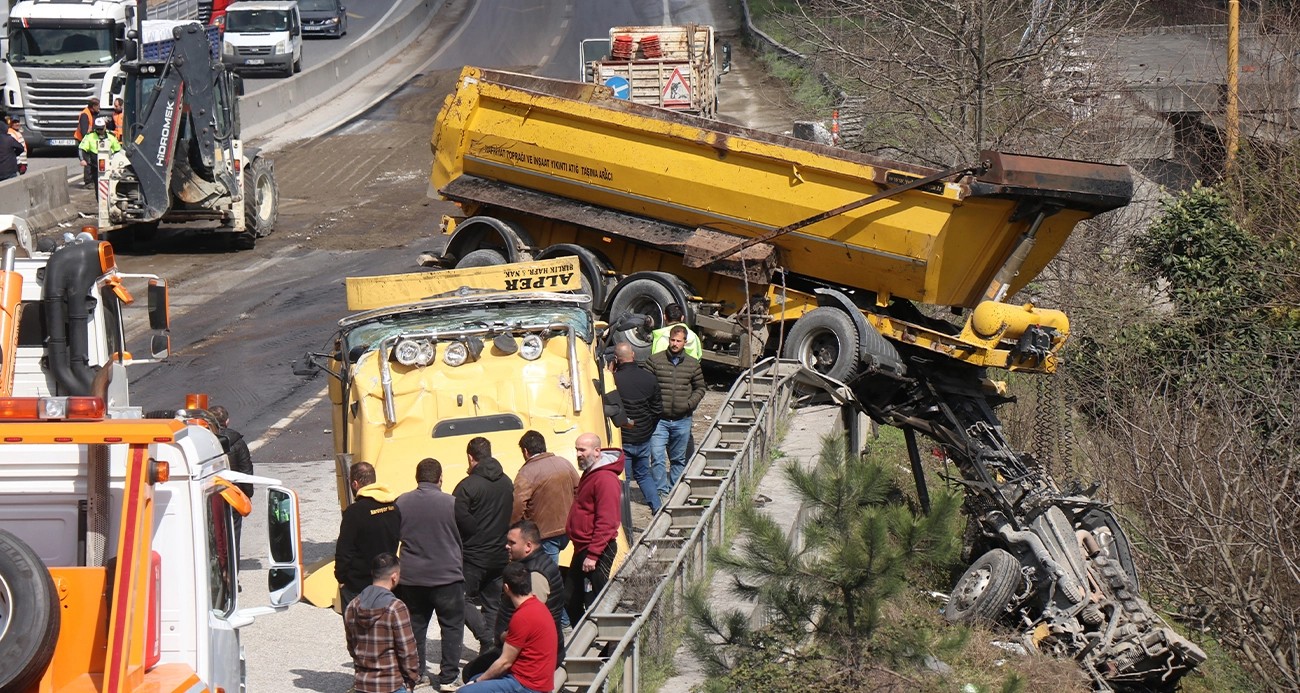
(384, 18)
(355, 16)
(564, 24)
(284, 423)
(555, 41)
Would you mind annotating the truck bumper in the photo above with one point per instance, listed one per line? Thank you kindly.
(239, 63)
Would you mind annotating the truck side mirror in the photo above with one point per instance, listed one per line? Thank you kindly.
(306, 365)
(160, 346)
(726, 57)
(284, 579)
(239, 84)
(159, 305)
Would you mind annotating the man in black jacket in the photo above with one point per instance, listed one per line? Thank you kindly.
(11, 152)
(241, 460)
(490, 496)
(524, 544)
(639, 390)
(371, 525)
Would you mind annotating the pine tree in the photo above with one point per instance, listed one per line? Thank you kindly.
(822, 590)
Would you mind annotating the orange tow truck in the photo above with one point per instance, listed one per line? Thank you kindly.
(118, 556)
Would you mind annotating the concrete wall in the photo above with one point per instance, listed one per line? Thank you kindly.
(40, 198)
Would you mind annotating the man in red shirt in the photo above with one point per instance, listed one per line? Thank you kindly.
(527, 662)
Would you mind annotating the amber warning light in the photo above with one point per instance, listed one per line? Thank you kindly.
(51, 408)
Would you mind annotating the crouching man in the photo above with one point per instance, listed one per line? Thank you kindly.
(527, 662)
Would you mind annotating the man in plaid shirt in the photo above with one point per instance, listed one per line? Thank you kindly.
(380, 638)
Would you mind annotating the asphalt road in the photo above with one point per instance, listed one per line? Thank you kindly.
(352, 203)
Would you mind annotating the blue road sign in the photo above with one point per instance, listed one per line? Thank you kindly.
(622, 89)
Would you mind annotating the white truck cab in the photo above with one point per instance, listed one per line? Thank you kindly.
(263, 36)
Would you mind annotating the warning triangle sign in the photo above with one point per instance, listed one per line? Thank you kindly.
(677, 92)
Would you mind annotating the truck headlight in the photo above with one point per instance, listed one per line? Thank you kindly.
(427, 352)
(456, 354)
(407, 352)
(282, 48)
(531, 347)
(227, 48)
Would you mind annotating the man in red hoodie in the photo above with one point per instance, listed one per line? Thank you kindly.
(593, 522)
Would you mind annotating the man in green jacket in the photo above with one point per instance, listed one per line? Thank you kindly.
(681, 387)
(673, 316)
(89, 151)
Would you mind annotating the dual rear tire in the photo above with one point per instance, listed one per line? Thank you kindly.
(29, 615)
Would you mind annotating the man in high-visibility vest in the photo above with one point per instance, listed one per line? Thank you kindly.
(15, 131)
(86, 120)
(673, 315)
(118, 118)
(89, 151)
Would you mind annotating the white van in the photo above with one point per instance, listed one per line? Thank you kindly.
(263, 36)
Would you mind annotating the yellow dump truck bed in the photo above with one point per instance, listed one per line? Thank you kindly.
(572, 151)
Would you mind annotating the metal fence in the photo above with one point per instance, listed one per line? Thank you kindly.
(633, 626)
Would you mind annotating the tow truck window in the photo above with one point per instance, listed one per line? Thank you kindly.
(41, 46)
(246, 21)
(221, 555)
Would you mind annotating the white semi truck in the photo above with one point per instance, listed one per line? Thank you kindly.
(60, 54)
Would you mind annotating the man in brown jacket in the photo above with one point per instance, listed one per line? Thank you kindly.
(380, 638)
(544, 491)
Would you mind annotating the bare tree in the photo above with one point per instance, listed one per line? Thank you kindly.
(936, 81)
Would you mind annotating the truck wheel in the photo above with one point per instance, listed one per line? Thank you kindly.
(483, 257)
(297, 65)
(29, 615)
(985, 589)
(644, 296)
(261, 198)
(592, 263)
(826, 341)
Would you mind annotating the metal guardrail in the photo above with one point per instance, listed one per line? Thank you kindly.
(631, 618)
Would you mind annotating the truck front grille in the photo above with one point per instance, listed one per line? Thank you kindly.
(254, 50)
(55, 103)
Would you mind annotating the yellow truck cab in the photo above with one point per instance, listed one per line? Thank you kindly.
(434, 359)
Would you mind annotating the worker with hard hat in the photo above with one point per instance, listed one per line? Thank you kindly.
(89, 151)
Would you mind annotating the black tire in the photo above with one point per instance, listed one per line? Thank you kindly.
(647, 297)
(985, 589)
(825, 340)
(483, 257)
(29, 615)
(297, 66)
(593, 285)
(261, 198)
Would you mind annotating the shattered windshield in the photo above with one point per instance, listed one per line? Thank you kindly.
(496, 317)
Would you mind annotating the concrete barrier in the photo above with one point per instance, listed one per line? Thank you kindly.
(40, 198)
(270, 107)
